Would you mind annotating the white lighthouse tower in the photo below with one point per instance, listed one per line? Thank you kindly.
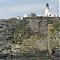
(47, 10)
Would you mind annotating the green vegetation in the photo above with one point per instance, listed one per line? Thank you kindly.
(19, 32)
(55, 34)
(30, 44)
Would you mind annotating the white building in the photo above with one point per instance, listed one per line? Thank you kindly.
(48, 12)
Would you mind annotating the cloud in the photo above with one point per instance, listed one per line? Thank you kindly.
(17, 10)
(1, 0)
(59, 7)
(20, 10)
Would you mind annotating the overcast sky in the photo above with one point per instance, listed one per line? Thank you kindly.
(12, 8)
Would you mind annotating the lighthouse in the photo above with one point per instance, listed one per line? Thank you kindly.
(47, 10)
